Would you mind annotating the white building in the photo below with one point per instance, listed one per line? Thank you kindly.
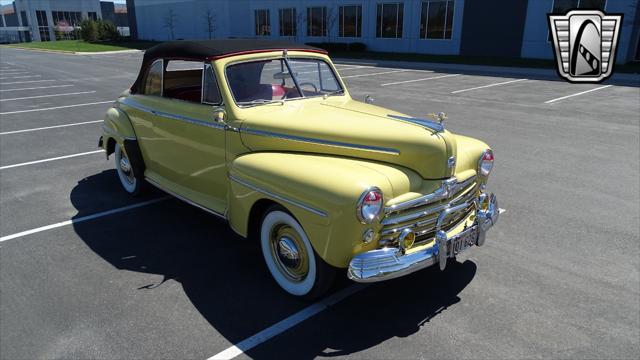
(501, 28)
(42, 20)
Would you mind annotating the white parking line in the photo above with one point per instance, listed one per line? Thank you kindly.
(286, 324)
(52, 95)
(501, 210)
(13, 73)
(378, 73)
(37, 87)
(55, 107)
(580, 93)
(424, 79)
(82, 219)
(50, 159)
(30, 81)
(49, 127)
(487, 86)
(20, 77)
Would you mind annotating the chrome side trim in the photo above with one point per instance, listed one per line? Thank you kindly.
(172, 116)
(308, 140)
(279, 197)
(437, 127)
(155, 183)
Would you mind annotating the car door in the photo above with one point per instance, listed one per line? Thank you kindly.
(184, 142)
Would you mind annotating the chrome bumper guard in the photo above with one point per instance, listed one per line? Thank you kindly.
(389, 263)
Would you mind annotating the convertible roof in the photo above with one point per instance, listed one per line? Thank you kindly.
(202, 50)
(212, 49)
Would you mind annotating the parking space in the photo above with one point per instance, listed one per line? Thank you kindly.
(89, 272)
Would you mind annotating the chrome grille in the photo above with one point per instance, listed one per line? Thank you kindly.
(421, 214)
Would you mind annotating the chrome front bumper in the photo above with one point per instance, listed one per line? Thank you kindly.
(388, 263)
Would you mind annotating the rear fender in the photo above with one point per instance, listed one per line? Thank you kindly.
(116, 126)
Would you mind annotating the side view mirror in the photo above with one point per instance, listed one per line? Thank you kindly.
(368, 99)
(219, 115)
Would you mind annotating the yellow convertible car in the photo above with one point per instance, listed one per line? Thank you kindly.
(265, 135)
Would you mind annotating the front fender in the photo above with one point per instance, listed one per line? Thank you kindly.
(320, 191)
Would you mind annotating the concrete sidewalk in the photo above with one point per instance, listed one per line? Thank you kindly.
(625, 79)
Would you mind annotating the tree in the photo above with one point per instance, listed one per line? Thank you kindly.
(211, 23)
(88, 30)
(170, 23)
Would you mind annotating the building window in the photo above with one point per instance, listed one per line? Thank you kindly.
(317, 21)
(389, 20)
(92, 15)
(288, 22)
(263, 27)
(562, 6)
(436, 19)
(350, 21)
(25, 21)
(66, 18)
(43, 25)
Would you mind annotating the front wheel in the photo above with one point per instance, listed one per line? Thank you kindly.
(290, 257)
(129, 181)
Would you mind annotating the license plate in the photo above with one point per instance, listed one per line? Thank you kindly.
(462, 242)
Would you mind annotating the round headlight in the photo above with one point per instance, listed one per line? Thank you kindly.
(486, 163)
(370, 205)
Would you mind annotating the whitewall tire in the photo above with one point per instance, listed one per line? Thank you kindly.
(290, 257)
(125, 171)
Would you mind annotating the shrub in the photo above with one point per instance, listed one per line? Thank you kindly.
(88, 30)
(107, 31)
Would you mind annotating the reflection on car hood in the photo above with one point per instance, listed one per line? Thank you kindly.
(348, 128)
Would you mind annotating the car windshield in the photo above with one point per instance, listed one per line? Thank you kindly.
(268, 81)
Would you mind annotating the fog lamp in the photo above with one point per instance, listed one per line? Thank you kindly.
(406, 239)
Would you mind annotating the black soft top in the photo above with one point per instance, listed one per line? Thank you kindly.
(204, 49)
(201, 50)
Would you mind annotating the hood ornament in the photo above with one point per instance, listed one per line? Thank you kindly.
(439, 117)
(437, 125)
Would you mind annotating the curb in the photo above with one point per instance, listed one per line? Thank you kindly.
(77, 52)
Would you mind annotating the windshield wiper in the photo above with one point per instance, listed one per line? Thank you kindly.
(260, 102)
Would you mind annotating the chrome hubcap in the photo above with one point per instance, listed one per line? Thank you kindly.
(289, 252)
(125, 167)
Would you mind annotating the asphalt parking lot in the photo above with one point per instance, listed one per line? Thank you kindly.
(88, 272)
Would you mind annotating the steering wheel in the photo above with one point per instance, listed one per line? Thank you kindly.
(315, 88)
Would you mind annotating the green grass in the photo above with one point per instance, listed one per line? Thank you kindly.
(469, 60)
(81, 46)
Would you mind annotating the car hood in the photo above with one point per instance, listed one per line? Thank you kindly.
(346, 127)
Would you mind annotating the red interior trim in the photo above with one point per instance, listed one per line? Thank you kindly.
(262, 51)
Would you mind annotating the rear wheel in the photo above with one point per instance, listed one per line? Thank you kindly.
(129, 181)
(290, 257)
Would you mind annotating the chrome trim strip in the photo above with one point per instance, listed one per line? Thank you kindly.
(278, 197)
(437, 127)
(155, 183)
(303, 139)
(446, 189)
(172, 116)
